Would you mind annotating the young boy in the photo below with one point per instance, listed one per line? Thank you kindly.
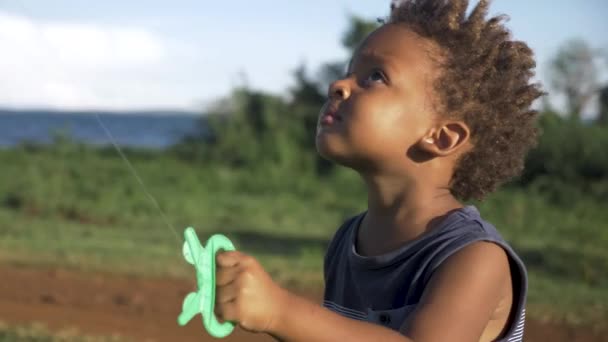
(435, 108)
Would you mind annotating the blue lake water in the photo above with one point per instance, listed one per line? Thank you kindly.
(150, 130)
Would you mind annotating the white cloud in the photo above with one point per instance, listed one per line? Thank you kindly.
(101, 48)
(79, 65)
(76, 64)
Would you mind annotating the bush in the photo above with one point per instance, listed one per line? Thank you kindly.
(569, 161)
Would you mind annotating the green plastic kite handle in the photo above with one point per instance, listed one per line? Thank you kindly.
(203, 301)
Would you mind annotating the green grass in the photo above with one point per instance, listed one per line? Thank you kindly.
(76, 207)
(36, 332)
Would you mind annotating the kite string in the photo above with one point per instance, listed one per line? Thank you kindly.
(139, 180)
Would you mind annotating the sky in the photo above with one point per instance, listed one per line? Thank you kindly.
(183, 54)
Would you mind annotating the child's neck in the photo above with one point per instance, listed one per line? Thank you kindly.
(400, 211)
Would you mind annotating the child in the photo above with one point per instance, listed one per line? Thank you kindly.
(435, 108)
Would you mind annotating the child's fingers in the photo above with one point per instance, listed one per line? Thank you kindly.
(226, 275)
(227, 311)
(226, 293)
(228, 259)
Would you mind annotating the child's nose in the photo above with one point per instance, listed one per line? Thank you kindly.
(339, 90)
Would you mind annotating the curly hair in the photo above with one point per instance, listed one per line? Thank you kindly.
(484, 81)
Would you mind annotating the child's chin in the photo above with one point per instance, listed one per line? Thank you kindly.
(330, 150)
(326, 146)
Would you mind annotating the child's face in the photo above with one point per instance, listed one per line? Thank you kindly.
(383, 106)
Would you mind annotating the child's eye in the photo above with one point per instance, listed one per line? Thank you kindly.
(376, 76)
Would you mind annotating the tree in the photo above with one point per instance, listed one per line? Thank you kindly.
(603, 116)
(251, 128)
(574, 73)
(358, 29)
(308, 94)
(306, 99)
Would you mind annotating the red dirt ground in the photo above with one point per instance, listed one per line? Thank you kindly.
(144, 309)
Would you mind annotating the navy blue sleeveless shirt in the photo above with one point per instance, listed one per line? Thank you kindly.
(385, 289)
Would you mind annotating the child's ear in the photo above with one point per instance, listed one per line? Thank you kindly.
(445, 139)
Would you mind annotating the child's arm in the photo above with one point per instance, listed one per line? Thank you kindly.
(457, 305)
(462, 296)
(307, 321)
(246, 294)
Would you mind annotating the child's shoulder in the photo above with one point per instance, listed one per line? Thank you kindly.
(462, 223)
(465, 227)
(456, 231)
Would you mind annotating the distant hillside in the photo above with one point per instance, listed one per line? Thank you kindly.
(145, 128)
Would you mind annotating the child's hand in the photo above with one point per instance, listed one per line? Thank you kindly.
(246, 294)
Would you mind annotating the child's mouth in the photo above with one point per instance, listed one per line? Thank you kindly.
(330, 117)
(328, 120)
